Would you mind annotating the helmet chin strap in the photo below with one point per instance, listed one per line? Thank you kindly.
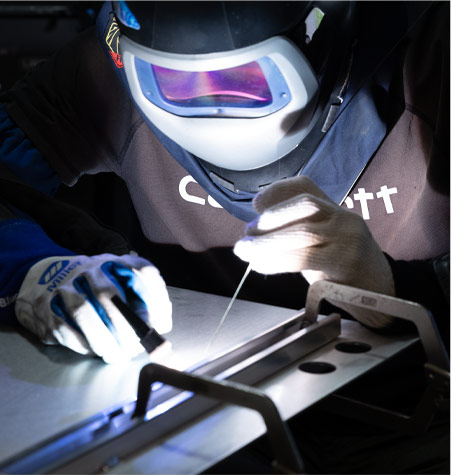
(255, 180)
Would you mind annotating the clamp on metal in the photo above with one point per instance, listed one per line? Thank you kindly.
(287, 458)
(436, 395)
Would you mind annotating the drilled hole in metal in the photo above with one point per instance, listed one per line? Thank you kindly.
(317, 367)
(352, 347)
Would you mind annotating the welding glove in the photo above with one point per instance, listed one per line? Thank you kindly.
(300, 229)
(67, 300)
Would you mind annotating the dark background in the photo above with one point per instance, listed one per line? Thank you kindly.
(29, 33)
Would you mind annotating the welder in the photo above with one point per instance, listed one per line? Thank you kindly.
(310, 139)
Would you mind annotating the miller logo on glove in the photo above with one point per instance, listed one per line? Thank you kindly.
(301, 230)
(66, 300)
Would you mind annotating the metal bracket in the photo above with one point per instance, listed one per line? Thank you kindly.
(287, 458)
(395, 307)
(436, 395)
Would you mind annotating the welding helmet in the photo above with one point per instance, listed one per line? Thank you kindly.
(237, 84)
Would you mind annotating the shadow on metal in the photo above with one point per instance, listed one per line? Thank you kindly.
(436, 395)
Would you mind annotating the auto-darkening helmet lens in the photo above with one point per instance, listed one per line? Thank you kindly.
(243, 86)
(253, 89)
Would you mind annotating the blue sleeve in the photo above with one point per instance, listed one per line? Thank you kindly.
(23, 159)
(22, 244)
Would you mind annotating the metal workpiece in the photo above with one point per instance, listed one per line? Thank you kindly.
(47, 390)
(279, 352)
(88, 446)
(225, 429)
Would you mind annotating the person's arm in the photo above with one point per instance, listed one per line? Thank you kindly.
(67, 299)
(22, 244)
(300, 229)
(63, 296)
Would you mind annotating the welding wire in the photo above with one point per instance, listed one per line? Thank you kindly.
(221, 323)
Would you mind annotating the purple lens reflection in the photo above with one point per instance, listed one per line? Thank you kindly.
(243, 86)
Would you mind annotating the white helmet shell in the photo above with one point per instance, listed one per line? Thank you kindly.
(234, 143)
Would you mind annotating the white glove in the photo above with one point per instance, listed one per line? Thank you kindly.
(301, 230)
(67, 300)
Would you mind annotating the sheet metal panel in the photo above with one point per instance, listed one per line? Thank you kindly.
(47, 389)
(198, 446)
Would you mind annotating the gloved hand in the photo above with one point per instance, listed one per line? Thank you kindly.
(67, 300)
(301, 230)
